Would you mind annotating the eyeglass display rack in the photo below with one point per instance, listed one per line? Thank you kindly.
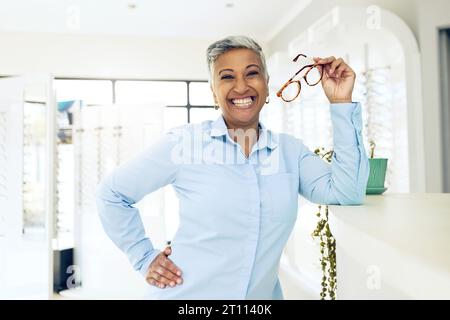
(377, 101)
(34, 142)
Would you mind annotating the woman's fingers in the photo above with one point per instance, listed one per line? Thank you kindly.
(168, 251)
(163, 277)
(330, 61)
(326, 64)
(333, 67)
(163, 272)
(167, 263)
(340, 70)
(326, 71)
(166, 273)
(155, 279)
(324, 60)
(335, 64)
(170, 273)
(155, 283)
(160, 280)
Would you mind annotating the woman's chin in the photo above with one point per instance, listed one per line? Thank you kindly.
(245, 116)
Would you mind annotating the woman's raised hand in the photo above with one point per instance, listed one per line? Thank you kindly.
(338, 79)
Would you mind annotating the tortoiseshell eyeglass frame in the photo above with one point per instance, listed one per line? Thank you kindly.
(299, 86)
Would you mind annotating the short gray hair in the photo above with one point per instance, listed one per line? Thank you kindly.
(234, 42)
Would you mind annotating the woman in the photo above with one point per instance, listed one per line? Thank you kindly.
(237, 183)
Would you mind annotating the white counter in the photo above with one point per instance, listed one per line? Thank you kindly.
(395, 246)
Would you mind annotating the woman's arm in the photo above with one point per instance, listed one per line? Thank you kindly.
(126, 185)
(344, 181)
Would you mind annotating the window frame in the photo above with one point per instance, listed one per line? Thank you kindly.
(188, 105)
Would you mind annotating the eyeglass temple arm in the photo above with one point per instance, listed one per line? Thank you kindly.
(304, 56)
(298, 56)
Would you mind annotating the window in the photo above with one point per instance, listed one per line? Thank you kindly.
(185, 101)
(444, 59)
(200, 94)
(89, 91)
(171, 93)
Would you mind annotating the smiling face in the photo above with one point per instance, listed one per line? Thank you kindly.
(240, 87)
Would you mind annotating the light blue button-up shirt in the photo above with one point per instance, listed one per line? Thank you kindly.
(236, 213)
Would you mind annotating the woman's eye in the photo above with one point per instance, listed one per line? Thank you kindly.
(253, 73)
(226, 76)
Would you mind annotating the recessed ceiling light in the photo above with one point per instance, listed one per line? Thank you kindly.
(229, 5)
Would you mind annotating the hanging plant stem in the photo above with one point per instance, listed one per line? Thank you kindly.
(327, 245)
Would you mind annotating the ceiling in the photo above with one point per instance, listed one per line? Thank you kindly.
(155, 18)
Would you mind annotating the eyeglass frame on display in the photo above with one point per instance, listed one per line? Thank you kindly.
(299, 85)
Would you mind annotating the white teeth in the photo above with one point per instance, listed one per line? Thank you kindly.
(243, 102)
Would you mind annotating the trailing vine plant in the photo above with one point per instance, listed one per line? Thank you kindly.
(327, 244)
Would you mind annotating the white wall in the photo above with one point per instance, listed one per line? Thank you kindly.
(403, 8)
(102, 56)
(423, 18)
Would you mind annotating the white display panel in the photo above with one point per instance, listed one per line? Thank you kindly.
(25, 215)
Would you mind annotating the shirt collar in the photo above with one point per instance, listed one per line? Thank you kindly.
(266, 138)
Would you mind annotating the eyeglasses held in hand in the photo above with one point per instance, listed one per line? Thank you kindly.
(291, 89)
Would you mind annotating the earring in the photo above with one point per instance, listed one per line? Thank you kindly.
(268, 99)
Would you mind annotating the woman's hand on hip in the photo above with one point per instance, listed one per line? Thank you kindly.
(338, 79)
(163, 272)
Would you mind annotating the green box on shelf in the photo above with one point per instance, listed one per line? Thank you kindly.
(377, 176)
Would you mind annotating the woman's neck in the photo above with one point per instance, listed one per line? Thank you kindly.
(246, 136)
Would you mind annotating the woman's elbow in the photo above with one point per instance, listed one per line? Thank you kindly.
(352, 199)
(104, 194)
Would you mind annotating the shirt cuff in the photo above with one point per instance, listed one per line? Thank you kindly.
(347, 123)
(141, 254)
(145, 263)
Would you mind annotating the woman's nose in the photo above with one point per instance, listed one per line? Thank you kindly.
(241, 85)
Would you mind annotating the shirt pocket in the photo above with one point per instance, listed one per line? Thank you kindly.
(280, 196)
